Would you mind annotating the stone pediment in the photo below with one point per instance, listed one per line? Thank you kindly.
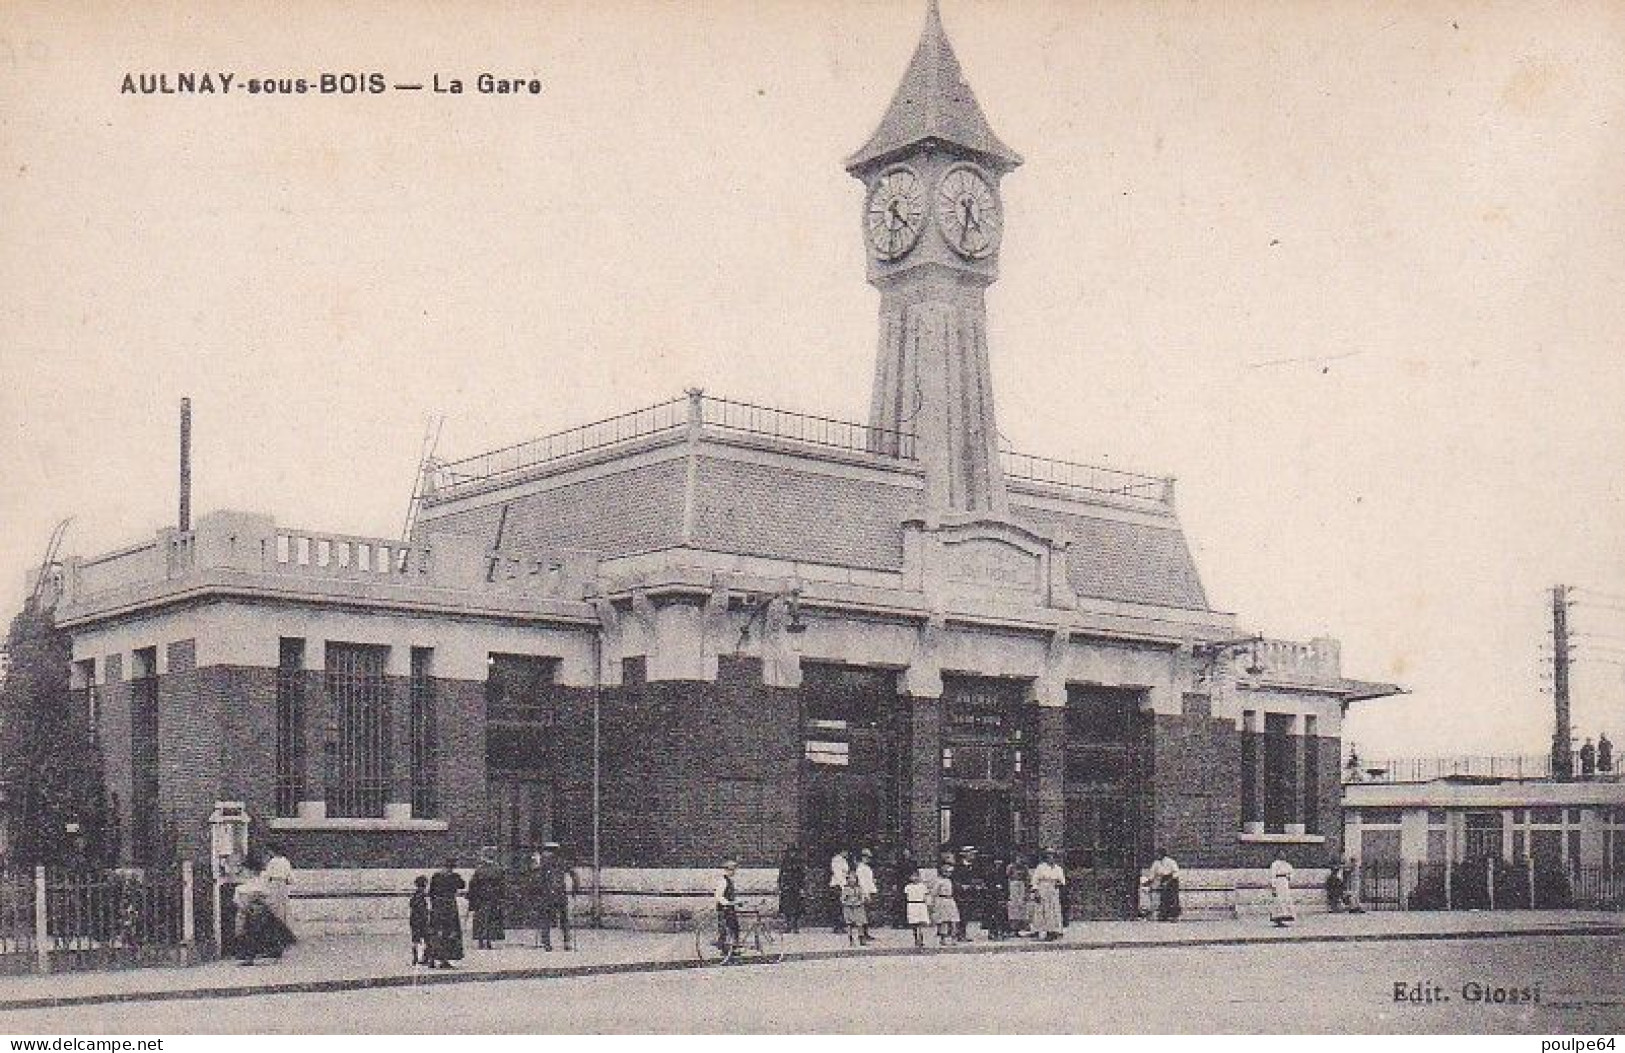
(985, 559)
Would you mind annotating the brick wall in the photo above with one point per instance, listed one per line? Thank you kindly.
(638, 510)
(923, 783)
(1331, 795)
(191, 727)
(772, 511)
(1196, 789)
(693, 772)
(1049, 814)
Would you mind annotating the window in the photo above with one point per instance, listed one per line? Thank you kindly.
(848, 696)
(1280, 780)
(1311, 776)
(358, 750)
(425, 763)
(290, 726)
(1574, 817)
(144, 755)
(519, 689)
(1435, 816)
(1249, 768)
(84, 676)
(1380, 816)
(1437, 846)
(521, 711)
(1547, 816)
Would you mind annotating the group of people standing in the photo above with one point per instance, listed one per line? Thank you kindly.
(1005, 898)
(435, 916)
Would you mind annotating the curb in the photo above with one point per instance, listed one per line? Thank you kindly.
(365, 983)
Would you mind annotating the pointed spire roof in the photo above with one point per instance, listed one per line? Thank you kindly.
(933, 102)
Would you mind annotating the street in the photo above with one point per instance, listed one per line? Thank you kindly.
(1328, 987)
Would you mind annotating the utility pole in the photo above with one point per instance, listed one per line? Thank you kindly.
(1562, 733)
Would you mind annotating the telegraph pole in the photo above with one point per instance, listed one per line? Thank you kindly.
(1562, 733)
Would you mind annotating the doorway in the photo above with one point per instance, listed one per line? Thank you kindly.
(986, 818)
(521, 814)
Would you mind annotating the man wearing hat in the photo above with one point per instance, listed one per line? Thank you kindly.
(967, 891)
(554, 884)
(726, 898)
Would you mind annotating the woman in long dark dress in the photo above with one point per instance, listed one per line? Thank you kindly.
(487, 891)
(260, 933)
(445, 921)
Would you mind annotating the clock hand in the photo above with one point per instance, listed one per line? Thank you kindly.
(970, 221)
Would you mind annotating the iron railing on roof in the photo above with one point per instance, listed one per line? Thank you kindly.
(803, 428)
(1093, 478)
(698, 411)
(611, 431)
(704, 414)
(1426, 769)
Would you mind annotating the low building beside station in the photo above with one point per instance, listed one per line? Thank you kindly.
(1499, 831)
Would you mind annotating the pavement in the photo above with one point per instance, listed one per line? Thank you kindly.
(351, 963)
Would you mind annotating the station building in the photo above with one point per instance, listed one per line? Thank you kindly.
(706, 629)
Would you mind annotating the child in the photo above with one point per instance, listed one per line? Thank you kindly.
(419, 921)
(944, 911)
(852, 909)
(915, 894)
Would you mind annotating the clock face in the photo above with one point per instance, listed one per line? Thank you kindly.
(968, 213)
(896, 213)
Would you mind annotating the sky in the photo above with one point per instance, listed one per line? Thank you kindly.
(1350, 271)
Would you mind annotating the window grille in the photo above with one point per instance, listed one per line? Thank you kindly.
(290, 727)
(358, 772)
(144, 756)
(425, 770)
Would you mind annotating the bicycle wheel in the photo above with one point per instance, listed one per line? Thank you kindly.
(707, 947)
(769, 942)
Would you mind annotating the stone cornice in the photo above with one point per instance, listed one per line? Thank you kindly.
(222, 584)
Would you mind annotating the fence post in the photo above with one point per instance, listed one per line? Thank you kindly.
(42, 930)
(188, 915)
(215, 911)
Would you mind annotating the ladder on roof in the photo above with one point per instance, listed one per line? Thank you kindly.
(426, 466)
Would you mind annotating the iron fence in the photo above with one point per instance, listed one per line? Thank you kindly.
(64, 919)
(1490, 885)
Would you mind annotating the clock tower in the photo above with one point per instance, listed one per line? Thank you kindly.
(932, 225)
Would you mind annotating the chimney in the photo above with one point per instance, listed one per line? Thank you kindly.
(186, 466)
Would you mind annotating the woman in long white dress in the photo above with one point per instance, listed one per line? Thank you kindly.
(1281, 908)
(1048, 878)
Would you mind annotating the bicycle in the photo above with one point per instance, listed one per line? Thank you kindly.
(760, 938)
